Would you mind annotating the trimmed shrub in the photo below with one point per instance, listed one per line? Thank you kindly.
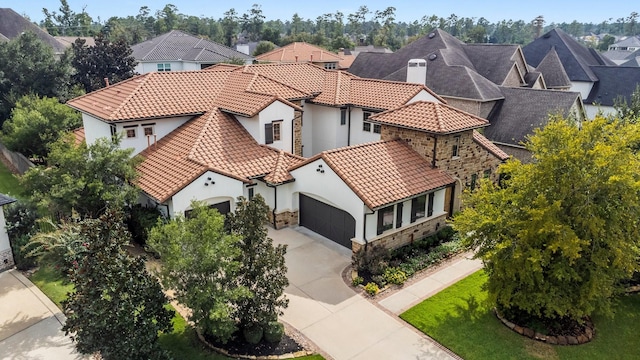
(357, 281)
(253, 334)
(273, 332)
(446, 234)
(394, 275)
(23, 262)
(371, 288)
(374, 261)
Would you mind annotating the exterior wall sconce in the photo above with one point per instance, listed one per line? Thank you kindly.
(320, 169)
(209, 181)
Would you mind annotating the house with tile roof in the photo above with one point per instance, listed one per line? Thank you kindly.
(480, 79)
(178, 51)
(591, 73)
(349, 158)
(304, 52)
(6, 254)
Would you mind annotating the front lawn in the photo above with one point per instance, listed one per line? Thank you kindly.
(9, 183)
(460, 319)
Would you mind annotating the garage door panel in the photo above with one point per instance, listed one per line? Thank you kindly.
(326, 220)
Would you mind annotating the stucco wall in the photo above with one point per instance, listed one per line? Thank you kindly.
(6, 255)
(225, 188)
(583, 87)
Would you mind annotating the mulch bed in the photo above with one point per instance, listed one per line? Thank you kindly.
(237, 346)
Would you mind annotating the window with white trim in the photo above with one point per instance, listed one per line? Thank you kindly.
(277, 127)
(385, 219)
(164, 67)
(148, 130)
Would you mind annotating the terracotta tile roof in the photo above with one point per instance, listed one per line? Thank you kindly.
(214, 141)
(491, 147)
(430, 117)
(299, 52)
(306, 77)
(382, 173)
(79, 135)
(164, 94)
(156, 94)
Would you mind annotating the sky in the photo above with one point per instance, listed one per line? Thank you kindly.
(554, 11)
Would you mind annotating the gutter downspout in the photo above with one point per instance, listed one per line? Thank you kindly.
(435, 146)
(275, 205)
(452, 199)
(364, 230)
(349, 127)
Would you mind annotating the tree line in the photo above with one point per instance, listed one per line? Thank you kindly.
(333, 30)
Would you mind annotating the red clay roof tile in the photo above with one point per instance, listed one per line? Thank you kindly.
(430, 117)
(489, 146)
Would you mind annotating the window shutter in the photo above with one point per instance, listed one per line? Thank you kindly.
(430, 204)
(399, 215)
(268, 133)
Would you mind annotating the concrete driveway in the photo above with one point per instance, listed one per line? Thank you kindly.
(338, 320)
(30, 324)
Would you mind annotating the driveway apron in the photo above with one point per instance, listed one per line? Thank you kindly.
(338, 320)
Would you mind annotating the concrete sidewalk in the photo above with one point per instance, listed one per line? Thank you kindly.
(341, 322)
(30, 323)
(443, 277)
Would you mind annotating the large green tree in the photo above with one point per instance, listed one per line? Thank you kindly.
(36, 123)
(263, 269)
(28, 66)
(200, 262)
(84, 179)
(117, 307)
(561, 233)
(105, 60)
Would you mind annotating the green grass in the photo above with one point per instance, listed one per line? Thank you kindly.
(183, 342)
(52, 284)
(9, 183)
(460, 319)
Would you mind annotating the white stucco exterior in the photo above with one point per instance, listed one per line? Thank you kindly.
(358, 135)
(147, 67)
(424, 96)
(583, 87)
(276, 112)
(4, 237)
(593, 110)
(219, 188)
(95, 128)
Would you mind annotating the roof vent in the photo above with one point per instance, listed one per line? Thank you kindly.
(432, 35)
(432, 57)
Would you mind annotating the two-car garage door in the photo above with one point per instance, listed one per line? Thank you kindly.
(326, 220)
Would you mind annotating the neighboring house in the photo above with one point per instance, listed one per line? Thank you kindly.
(6, 254)
(596, 77)
(13, 25)
(68, 41)
(479, 79)
(301, 52)
(178, 51)
(631, 43)
(242, 130)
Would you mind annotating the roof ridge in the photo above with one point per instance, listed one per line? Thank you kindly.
(130, 96)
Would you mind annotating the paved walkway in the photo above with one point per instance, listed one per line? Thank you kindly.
(343, 323)
(30, 323)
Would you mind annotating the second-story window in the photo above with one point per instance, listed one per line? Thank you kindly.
(131, 133)
(164, 67)
(343, 116)
(276, 131)
(455, 148)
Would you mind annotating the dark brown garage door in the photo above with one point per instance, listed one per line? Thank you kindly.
(328, 221)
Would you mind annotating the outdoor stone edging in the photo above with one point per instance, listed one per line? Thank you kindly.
(224, 352)
(583, 338)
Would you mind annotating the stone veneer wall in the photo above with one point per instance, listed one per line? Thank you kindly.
(6, 259)
(284, 219)
(297, 130)
(472, 159)
(405, 235)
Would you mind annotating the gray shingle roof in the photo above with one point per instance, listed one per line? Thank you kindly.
(619, 54)
(493, 61)
(575, 57)
(450, 73)
(5, 199)
(13, 25)
(633, 41)
(523, 110)
(613, 81)
(177, 45)
(633, 62)
(554, 75)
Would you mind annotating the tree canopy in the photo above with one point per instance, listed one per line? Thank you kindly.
(200, 262)
(84, 179)
(105, 60)
(560, 233)
(28, 66)
(117, 308)
(36, 123)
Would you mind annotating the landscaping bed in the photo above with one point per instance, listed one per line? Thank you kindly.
(378, 268)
